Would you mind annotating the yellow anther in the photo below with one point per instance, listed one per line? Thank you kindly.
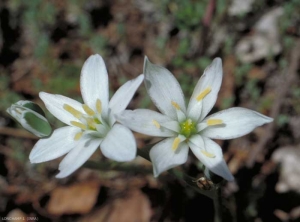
(175, 105)
(210, 155)
(78, 124)
(91, 123)
(175, 144)
(73, 111)
(98, 106)
(88, 110)
(203, 94)
(213, 122)
(78, 136)
(156, 124)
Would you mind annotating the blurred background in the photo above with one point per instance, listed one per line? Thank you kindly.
(43, 45)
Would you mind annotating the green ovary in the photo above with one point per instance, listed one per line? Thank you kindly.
(188, 128)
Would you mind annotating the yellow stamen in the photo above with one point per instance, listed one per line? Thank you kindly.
(175, 144)
(175, 105)
(78, 124)
(88, 110)
(156, 124)
(91, 123)
(78, 136)
(213, 122)
(73, 111)
(203, 94)
(210, 155)
(98, 106)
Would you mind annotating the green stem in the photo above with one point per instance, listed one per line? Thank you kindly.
(111, 165)
(217, 199)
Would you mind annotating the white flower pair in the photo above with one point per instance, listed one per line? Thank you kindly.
(93, 124)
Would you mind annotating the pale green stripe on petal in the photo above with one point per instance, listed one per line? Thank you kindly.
(31, 117)
(36, 124)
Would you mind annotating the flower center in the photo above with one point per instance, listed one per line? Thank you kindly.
(187, 128)
(90, 120)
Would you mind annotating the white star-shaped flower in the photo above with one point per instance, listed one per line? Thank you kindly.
(91, 124)
(189, 127)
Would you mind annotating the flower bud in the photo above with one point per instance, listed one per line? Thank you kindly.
(31, 117)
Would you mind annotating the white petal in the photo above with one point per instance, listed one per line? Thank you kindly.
(172, 125)
(212, 78)
(163, 88)
(119, 144)
(194, 111)
(215, 164)
(164, 158)
(181, 116)
(122, 97)
(197, 140)
(59, 143)
(55, 103)
(145, 121)
(78, 156)
(94, 83)
(237, 122)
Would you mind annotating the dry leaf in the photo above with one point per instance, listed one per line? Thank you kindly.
(257, 73)
(239, 151)
(239, 7)
(291, 216)
(264, 41)
(78, 198)
(135, 206)
(294, 124)
(289, 158)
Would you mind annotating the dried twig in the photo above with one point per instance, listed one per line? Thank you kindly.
(283, 89)
(16, 133)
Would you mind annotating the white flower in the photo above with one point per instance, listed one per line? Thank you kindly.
(91, 124)
(189, 127)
